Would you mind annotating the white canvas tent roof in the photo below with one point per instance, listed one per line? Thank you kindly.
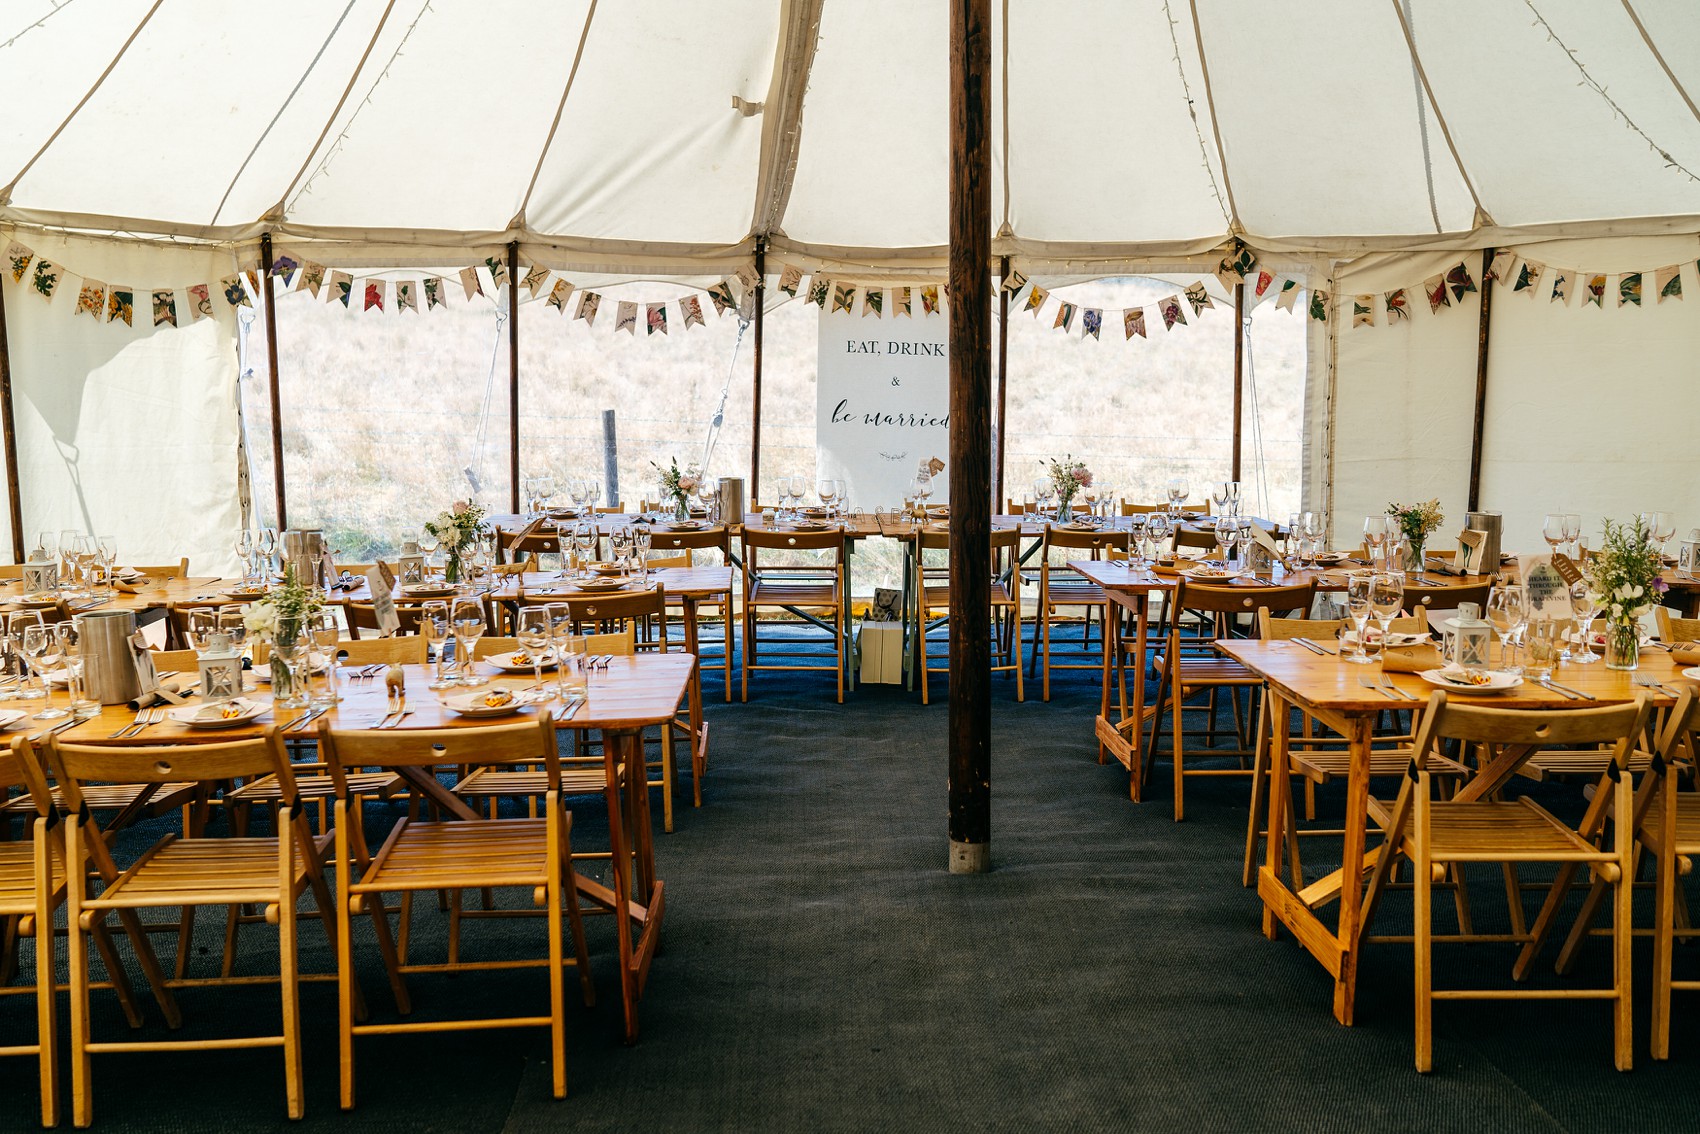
(1127, 128)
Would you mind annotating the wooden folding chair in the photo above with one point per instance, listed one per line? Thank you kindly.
(530, 854)
(1062, 587)
(185, 872)
(362, 619)
(709, 612)
(932, 593)
(1474, 827)
(812, 591)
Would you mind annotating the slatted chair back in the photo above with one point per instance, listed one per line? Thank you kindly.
(408, 650)
(713, 539)
(1675, 629)
(75, 764)
(622, 643)
(362, 618)
(177, 570)
(21, 775)
(524, 743)
(1228, 599)
(1131, 509)
(1515, 733)
(181, 661)
(613, 613)
(1274, 628)
(1443, 597)
(757, 540)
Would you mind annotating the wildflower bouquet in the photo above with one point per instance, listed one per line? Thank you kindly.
(1624, 580)
(1068, 476)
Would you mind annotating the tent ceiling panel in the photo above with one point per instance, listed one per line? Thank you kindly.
(657, 161)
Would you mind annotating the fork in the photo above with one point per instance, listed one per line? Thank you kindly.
(1387, 683)
(140, 714)
(1368, 684)
(1651, 682)
(154, 716)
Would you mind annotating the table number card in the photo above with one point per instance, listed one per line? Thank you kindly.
(1470, 543)
(1544, 588)
(379, 581)
(1566, 568)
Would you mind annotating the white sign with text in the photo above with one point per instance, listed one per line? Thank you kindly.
(882, 404)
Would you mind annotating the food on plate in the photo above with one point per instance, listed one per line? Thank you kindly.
(498, 698)
(1467, 676)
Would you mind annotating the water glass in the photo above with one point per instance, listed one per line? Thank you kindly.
(434, 628)
(467, 623)
(574, 650)
(1541, 641)
(1582, 607)
(1359, 609)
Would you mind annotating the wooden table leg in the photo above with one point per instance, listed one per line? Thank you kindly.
(1279, 771)
(1358, 737)
(633, 850)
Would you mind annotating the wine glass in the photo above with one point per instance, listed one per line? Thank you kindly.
(1386, 597)
(326, 633)
(1375, 538)
(1661, 527)
(1106, 499)
(107, 551)
(1177, 490)
(620, 544)
(1505, 612)
(1219, 497)
(584, 542)
(200, 626)
(70, 640)
(1158, 527)
(1358, 609)
(642, 540)
(467, 622)
(46, 547)
(707, 492)
(1552, 530)
(1234, 497)
(67, 537)
(593, 494)
(41, 651)
(1046, 491)
(1572, 531)
(16, 624)
(434, 628)
(532, 630)
(1582, 608)
(827, 490)
(428, 542)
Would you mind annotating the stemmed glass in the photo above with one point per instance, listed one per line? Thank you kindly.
(620, 544)
(42, 653)
(1234, 497)
(106, 549)
(827, 490)
(1158, 526)
(326, 633)
(642, 540)
(593, 494)
(70, 637)
(434, 628)
(1177, 489)
(1219, 497)
(1505, 612)
(428, 543)
(1358, 609)
(1375, 539)
(561, 633)
(16, 625)
(467, 621)
(1660, 527)
(1106, 499)
(1552, 530)
(707, 491)
(799, 488)
(1582, 607)
(533, 634)
(584, 541)
(1572, 531)
(67, 537)
(1386, 597)
(1136, 540)
(79, 553)
(1045, 491)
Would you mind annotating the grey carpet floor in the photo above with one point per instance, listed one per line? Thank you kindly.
(822, 971)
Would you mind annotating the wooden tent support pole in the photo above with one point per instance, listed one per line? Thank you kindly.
(15, 507)
(1239, 374)
(271, 380)
(513, 375)
(1481, 385)
(755, 381)
(970, 772)
(1003, 385)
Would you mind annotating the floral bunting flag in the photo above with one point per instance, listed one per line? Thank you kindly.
(535, 279)
(721, 293)
(819, 288)
(1035, 300)
(1065, 316)
(1396, 305)
(405, 299)
(1363, 311)
(655, 318)
(312, 278)
(1091, 322)
(46, 279)
(588, 304)
(1560, 288)
(19, 258)
(1289, 295)
(1500, 266)
(200, 302)
(843, 298)
(435, 296)
(165, 307)
(470, 282)
(930, 299)
(252, 275)
(1233, 269)
(873, 300)
(1198, 297)
(1435, 288)
(1133, 321)
(790, 277)
(900, 302)
(748, 277)
(497, 266)
(1264, 279)
(91, 300)
(341, 289)
(234, 293)
(691, 308)
(1458, 279)
(1014, 282)
(1669, 282)
(286, 266)
(558, 295)
(1527, 275)
(1170, 309)
(625, 317)
(1595, 291)
(1629, 289)
(120, 304)
(374, 295)
(1319, 305)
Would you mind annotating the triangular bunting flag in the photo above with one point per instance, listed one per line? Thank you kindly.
(1499, 267)
(1035, 300)
(558, 295)
(873, 300)
(1264, 279)
(312, 278)
(1170, 309)
(930, 299)
(45, 281)
(91, 300)
(286, 267)
(1435, 288)
(1560, 287)
(790, 277)
(435, 295)
(588, 303)
(1669, 281)
(900, 302)
(1528, 274)
(252, 275)
(341, 289)
(843, 298)
(1014, 282)
(1363, 311)
(1289, 295)
(1396, 305)
(405, 297)
(749, 277)
(721, 294)
(1133, 321)
(819, 288)
(1594, 291)
(470, 282)
(200, 302)
(1629, 289)
(165, 307)
(1319, 305)
(374, 294)
(1458, 279)
(1091, 322)
(535, 279)
(1065, 316)
(497, 266)
(120, 304)
(625, 317)
(691, 308)
(234, 293)
(18, 259)
(655, 318)
(1198, 297)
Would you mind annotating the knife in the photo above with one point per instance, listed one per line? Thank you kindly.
(1318, 648)
(1566, 689)
(1309, 645)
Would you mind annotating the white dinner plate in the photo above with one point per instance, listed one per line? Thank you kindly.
(473, 704)
(11, 717)
(510, 662)
(212, 716)
(427, 590)
(1332, 557)
(1498, 682)
(601, 584)
(1210, 575)
(1692, 674)
(682, 525)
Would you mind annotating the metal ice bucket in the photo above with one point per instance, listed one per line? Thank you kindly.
(304, 550)
(109, 657)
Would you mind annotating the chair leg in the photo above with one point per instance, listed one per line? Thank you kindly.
(667, 774)
(1260, 771)
(82, 1097)
(1177, 695)
(1015, 637)
(295, 1086)
(115, 970)
(1422, 913)
(1045, 629)
(1664, 883)
(1622, 928)
(46, 1016)
(557, 998)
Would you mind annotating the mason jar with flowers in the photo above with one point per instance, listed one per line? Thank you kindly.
(1068, 476)
(281, 620)
(1417, 522)
(457, 531)
(1624, 580)
(678, 486)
